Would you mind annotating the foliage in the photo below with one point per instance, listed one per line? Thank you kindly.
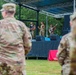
(1, 2)
(28, 14)
(53, 21)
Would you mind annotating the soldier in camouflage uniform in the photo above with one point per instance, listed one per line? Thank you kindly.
(67, 49)
(42, 29)
(15, 42)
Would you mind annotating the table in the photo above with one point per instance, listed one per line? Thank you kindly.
(52, 55)
(41, 48)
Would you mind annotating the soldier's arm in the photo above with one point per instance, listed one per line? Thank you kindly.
(62, 51)
(27, 40)
(49, 30)
(34, 27)
(39, 28)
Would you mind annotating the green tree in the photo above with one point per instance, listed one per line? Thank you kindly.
(28, 14)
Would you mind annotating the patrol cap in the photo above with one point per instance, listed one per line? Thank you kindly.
(73, 16)
(8, 7)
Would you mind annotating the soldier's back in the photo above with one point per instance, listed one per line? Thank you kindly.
(11, 42)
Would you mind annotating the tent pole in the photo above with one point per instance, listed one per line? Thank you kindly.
(47, 25)
(37, 23)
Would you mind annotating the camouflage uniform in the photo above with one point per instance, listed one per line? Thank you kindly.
(67, 54)
(32, 29)
(15, 43)
(42, 30)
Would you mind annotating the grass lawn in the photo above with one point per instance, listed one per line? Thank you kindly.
(42, 67)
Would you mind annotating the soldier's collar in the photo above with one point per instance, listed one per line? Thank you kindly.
(9, 17)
